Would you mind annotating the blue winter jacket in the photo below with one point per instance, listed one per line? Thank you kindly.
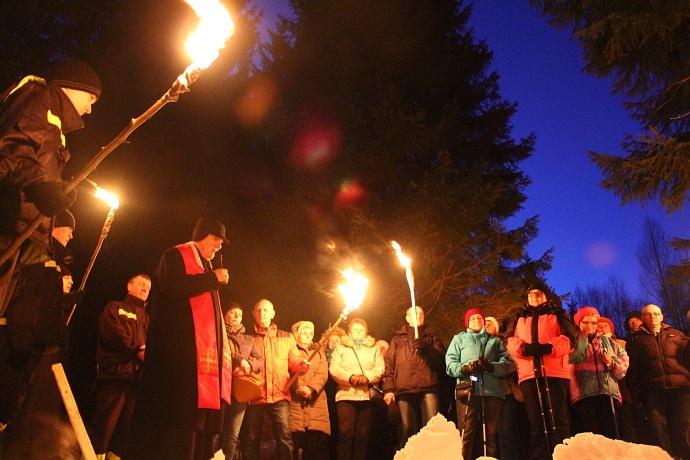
(468, 346)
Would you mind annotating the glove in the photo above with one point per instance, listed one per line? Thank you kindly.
(358, 380)
(486, 365)
(50, 197)
(75, 297)
(536, 350)
(470, 368)
(420, 344)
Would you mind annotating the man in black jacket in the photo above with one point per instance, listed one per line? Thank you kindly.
(414, 371)
(658, 377)
(35, 115)
(122, 329)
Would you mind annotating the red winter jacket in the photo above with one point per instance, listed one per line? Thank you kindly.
(553, 326)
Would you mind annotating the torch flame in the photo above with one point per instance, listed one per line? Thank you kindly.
(353, 289)
(215, 27)
(108, 197)
(404, 260)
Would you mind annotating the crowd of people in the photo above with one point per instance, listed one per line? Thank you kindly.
(184, 378)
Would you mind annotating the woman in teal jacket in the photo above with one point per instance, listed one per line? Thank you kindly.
(480, 359)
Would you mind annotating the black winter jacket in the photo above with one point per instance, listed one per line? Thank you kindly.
(122, 329)
(414, 371)
(658, 362)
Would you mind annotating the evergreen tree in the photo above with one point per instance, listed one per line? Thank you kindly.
(643, 46)
(394, 129)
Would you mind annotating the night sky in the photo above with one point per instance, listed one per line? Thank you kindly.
(571, 112)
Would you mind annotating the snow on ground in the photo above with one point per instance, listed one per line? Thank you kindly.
(438, 439)
(441, 439)
(588, 446)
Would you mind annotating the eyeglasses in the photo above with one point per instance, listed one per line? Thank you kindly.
(535, 293)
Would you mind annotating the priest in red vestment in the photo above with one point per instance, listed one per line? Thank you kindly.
(187, 371)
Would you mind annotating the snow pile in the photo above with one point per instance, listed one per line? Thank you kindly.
(589, 446)
(438, 439)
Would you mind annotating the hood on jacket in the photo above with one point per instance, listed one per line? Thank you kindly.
(369, 342)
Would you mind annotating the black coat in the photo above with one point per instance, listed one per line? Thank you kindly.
(414, 371)
(658, 362)
(168, 393)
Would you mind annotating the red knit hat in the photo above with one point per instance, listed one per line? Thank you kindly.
(584, 311)
(471, 312)
(609, 322)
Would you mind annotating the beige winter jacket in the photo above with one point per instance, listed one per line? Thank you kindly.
(344, 365)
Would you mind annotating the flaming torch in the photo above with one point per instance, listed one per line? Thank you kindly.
(114, 203)
(353, 292)
(203, 46)
(407, 263)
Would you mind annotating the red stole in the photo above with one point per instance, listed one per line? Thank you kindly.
(204, 315)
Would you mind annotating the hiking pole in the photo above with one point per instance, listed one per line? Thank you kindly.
(548, 396)
(481, 386)
(607, 375)
(537, 374)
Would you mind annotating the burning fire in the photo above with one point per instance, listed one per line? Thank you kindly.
(404, 260)
(215, 27)
(353, 289)
(108, 197)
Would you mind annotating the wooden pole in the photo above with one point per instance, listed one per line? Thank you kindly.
(73, 412)
(321, 343)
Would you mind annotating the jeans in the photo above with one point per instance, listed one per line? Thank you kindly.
(232, 422)
(279, 415)
(354, 425)
(668, 412)
(416, 409)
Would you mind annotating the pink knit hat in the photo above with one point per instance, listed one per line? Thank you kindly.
(609, 322)
(584, 311)
(471, 312)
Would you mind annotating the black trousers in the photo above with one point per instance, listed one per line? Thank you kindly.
(114, 406)
(594, 415)
(354, 424)
(313, 443)
(470, 415)
(552, 426)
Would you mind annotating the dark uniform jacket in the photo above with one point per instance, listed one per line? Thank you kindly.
(122, 331)
(414, 371)
(33, 121)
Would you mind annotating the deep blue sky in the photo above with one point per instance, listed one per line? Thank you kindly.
(571, 112)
